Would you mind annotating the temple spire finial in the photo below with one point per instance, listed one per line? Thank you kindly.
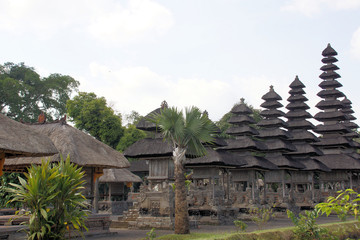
(242, 100)
(164, 105)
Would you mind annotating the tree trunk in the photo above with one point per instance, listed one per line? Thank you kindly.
(181, 206)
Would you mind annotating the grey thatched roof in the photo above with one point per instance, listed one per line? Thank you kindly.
(296, 83)
(271, 95)
(305, 148)
(139, 166)
(276, 122)
(279, 145)
(273, 133)
(244, 143)
(330, 84)
(313, 165)
(241, 109)
(303, 135)
(300, 124)
(258, 162)
(221, 158)
(339, 162)
(285, 162)
(149, 147)
(242, 119)
(17, 139)
(118, 175)
(329, 51)
(145, 124)
(243, 130)
(338, 127)
(84, 150)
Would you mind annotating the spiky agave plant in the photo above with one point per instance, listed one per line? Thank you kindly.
(52, 193)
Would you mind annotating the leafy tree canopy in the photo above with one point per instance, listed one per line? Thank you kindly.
(24, 94)
(92, 114)
(131, 135)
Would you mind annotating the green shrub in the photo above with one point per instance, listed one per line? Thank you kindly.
(52, 194)
(344, 204)
(261, 216)
(240, 225)
(306, 227)
(150, 235)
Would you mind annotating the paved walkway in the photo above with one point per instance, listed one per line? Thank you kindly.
(126, 234)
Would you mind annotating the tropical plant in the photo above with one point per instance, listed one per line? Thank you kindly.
(344, 204)
(5, 180)
(150, 235)
(52, 194)
(306, 227)
(186, 134)
(261, 216)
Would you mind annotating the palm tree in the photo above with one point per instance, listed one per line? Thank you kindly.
(186, 133)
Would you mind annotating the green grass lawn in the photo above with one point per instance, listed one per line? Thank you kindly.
(343, 230)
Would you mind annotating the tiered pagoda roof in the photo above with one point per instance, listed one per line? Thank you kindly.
(272, 131)
(243, 142)
(299, 127)
(335, 128)
(153, 146)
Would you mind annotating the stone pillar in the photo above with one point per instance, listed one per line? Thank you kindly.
(109, 184)
(96, 196)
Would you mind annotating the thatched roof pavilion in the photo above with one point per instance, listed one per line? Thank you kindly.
(118, 175)
(83, 149)
(17, 140)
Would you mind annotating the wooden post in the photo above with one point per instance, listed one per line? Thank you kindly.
(265, 185)
(109, 184)
(253, 185)
(96, 196)
(2, 161)
(228, 185)
(283, 184)
(97, 173)
(312, 187)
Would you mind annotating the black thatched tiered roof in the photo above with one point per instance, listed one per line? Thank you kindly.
(272, 131)
(219, 158)
(347, 110)
(299, 127)
(153, 146)
(244, 143)
(335, 115)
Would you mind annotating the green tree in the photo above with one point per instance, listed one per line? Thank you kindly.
(24, 94)
(131, 135)
(52, 194)
(133, 118)
(92, 114)
(186, 133)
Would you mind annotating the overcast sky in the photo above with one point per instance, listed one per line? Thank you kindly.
(207, 53)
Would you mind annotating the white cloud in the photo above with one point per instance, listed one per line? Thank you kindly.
(141, 89)
(311, 7)
(355, 43)
(132, 23)
(106, 20)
